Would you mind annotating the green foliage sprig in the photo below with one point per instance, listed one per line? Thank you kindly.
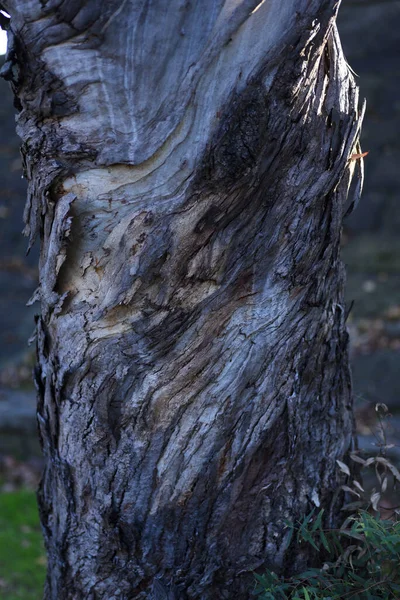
(363, 556)
(365, 569)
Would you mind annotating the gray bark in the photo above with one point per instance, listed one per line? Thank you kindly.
(188, 168)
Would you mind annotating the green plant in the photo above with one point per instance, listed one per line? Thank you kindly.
(363, 562)
(361, 559)
(22, 558)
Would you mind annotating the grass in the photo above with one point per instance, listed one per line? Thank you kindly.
(22, 557)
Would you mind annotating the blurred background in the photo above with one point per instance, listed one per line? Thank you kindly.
(370, 32)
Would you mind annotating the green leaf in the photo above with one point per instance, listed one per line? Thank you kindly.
(324, 541)
(318, 520)
(307, 537)
(306, 594)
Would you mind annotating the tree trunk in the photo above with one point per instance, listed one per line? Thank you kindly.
(188, 168)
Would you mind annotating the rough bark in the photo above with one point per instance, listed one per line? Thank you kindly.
(188, 168)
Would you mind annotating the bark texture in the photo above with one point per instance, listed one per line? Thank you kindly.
(188, 168)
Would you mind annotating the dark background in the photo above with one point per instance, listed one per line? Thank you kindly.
(370, 32)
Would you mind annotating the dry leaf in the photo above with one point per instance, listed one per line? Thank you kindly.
(394, 471)
(346, 488)
(344, 468)
(357, 156)
(357, 459)
(358, 486)
(375, 499)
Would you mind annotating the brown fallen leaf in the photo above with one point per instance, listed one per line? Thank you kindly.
(357, 156)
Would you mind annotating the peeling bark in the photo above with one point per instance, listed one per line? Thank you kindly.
(188, 168)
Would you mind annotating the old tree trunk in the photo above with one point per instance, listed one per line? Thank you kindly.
(188, 168)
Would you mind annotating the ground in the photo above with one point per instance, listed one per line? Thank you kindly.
(22, 557)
